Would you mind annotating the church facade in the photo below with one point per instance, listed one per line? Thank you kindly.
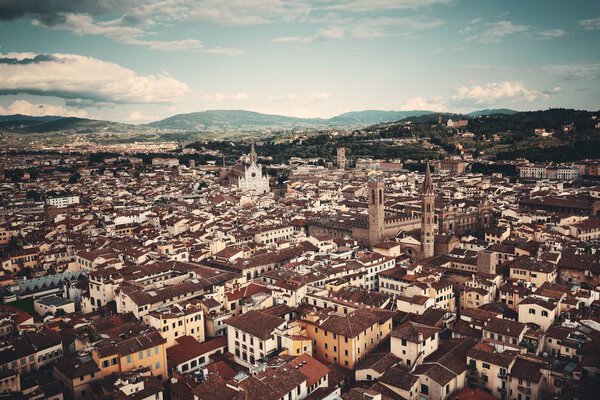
(248, 176)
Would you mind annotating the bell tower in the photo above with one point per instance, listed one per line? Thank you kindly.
(427, 215)
(341, 158)
(376, 212)
(253, 156)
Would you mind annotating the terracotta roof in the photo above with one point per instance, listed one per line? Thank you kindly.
(256, 323)
(188, 347)
(487, 353)
(399, 377)
(411, 330)
(353, 323)
(379, 362)
(309, 367)
(505, 327)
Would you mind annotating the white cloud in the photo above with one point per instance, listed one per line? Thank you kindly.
(432, 103)
(223, 51)
(367, 29)
(312, 97)
(222, 97)
(321, 35)
(166, 45)
(38, 110)
(551, 33)
(374, 5)
(573, 71)
(138, 117)
(494, 92)
(121, 30)
(591, 24)
(393, 26)
(496, 31)
(243, 12)
(73, 76)
(81, 24)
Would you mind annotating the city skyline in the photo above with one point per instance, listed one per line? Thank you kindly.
(140, 61)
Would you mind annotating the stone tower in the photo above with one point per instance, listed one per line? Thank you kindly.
(376, 212)
(341, 157)
(427, 216)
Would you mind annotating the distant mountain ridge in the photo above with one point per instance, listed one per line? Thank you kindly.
(218, 121)
(491, 111)
(241, 119)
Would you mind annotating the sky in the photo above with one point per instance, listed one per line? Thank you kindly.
(137, 61)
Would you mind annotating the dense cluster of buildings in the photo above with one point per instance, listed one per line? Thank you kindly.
(562, 172)
(163, 280)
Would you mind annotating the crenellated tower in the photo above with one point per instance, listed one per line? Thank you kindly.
(376, 212)
(427, 216)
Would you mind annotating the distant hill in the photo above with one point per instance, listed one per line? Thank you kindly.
(513, 126)
(27, 124)
(21, 117)
(491, 111)
(80, 125)
(370, 117)
(223, 120)
(220, 121)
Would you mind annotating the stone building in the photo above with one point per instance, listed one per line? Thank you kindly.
(248, 176)
(427, 216)
(341, 158)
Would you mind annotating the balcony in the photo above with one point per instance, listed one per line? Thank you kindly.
(502, 375)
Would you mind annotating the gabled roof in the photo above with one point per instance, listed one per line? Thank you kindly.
(256, 323)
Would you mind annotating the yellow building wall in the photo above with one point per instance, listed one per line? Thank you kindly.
(329, 347)
(148, 358)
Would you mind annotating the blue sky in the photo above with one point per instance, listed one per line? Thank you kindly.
(140, 60)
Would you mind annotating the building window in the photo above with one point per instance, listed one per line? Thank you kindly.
(425, 389)
(532, 311)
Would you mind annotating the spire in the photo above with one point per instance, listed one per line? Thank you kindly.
(253, 156)
(427, 182)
